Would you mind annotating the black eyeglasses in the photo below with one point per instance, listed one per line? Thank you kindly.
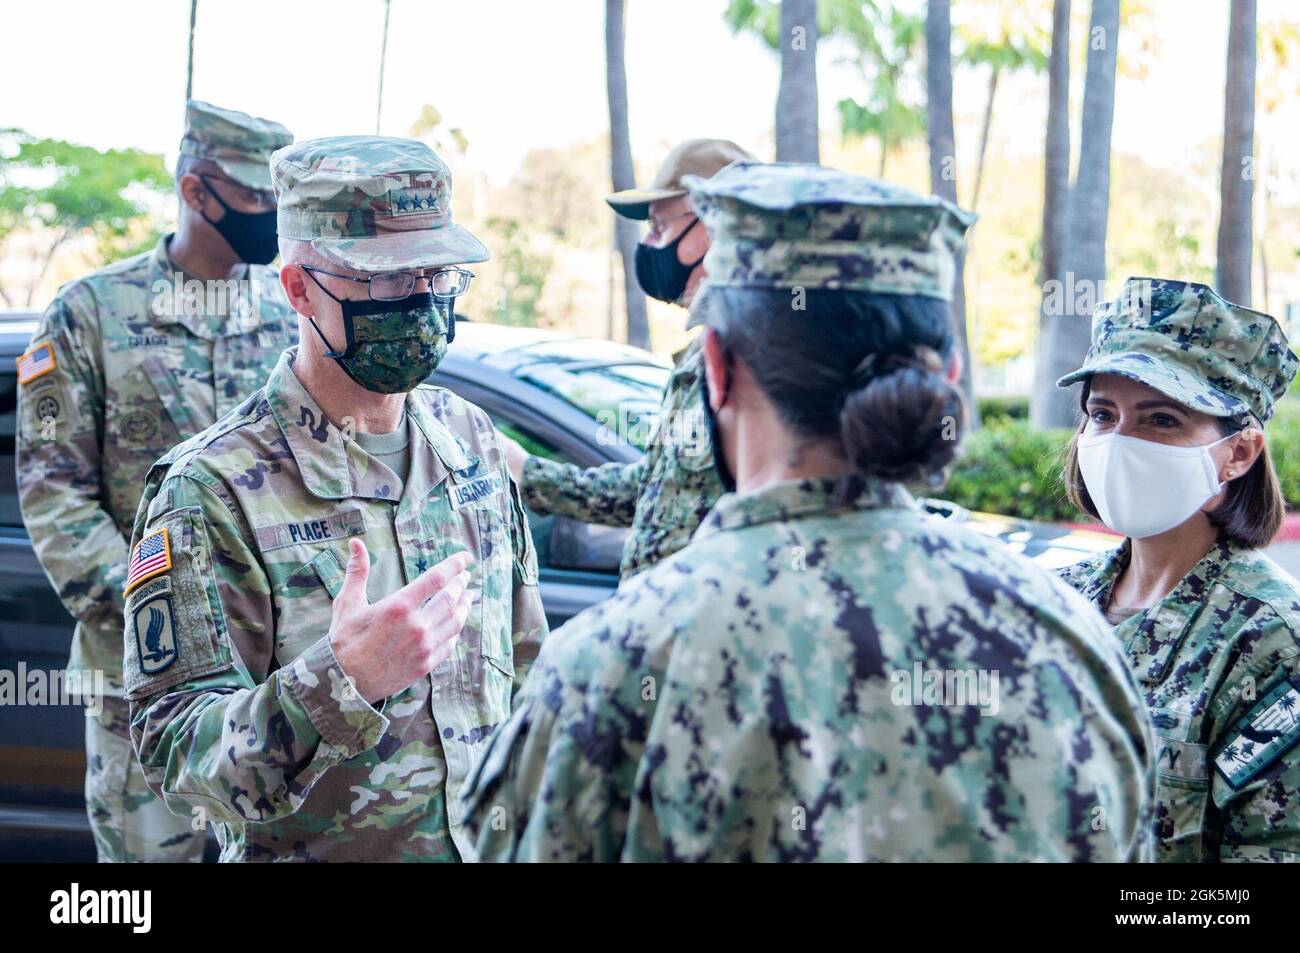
(395, 285)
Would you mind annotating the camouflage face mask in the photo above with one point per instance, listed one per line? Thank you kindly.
(392, 345)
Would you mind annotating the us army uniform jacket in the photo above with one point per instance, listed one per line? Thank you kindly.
(756, 697)
(663, 496)
(1218, 663)
(239, 707)
(125, 369)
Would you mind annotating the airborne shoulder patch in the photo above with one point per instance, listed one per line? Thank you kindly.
(152, 557)
(155, 632)
(1262, 735)
(37, 362)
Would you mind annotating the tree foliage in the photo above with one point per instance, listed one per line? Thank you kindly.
(56, 190)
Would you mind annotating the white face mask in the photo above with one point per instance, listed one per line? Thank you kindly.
(1141, 488)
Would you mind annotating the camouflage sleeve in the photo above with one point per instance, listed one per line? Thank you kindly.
(215, 728)
(543, 790)
(59, 421)
(528, 625)
(1256, 772)
(606, 494)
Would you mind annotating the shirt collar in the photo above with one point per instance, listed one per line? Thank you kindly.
(333, 467)
(797, 499)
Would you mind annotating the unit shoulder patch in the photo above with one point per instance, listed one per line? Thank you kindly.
(1262, 735)
(155, 633)
(152, 557)
(37, 362)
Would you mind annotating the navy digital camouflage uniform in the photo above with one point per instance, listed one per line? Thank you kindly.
(128, 362)
(1218, 658)
(748, 697)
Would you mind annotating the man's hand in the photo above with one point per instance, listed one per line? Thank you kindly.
(515, 457)
(385, 647)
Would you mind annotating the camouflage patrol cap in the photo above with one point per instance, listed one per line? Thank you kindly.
(370, 203)
(1184, 340)
(786, 225)
(240, 144)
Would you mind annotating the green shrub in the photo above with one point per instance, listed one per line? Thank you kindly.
(1283, 433)
(1009, 467)
(1009, 408)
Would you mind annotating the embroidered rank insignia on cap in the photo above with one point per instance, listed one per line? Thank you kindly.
(155, 634)
(37, 362)
(152, 557)
(463, 494)
(413, 201)
(1262, 735)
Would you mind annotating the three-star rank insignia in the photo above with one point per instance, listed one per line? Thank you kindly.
(413, 201)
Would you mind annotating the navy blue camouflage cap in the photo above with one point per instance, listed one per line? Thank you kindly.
(1186, 341)
(796, 225)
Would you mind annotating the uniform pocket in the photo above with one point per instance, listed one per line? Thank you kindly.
(495, 558)
(1182, 789)
(306, 599)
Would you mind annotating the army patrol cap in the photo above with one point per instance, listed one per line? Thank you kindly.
(240, 144)
(1184, 340)
(370, 203)
(787, 225)
(702, 157)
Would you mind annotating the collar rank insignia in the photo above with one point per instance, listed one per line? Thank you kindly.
(152, 557)
(1262, 735)
(37, 362)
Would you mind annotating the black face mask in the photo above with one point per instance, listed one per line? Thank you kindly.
(715, 439)
(659, 272)
(250, 235)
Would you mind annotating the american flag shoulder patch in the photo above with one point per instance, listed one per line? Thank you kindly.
(36, 363)
(152, 557)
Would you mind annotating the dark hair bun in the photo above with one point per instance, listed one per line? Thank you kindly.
(901, 419)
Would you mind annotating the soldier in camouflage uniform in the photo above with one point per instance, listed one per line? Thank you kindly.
(1210, 625)
(333, 592)
(128, 362)
(790, 685)
(665, 494)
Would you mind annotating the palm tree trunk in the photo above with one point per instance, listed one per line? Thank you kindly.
(621, 174)
(796, 98)
(943, 168)
(1236, 182)
(984, 136)
(1089, 205)
(189, 62)
(1056, 196)
(383, 62)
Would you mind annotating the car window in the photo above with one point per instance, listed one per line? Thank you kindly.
(562, 543)
(9, 513)
(624, 397)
